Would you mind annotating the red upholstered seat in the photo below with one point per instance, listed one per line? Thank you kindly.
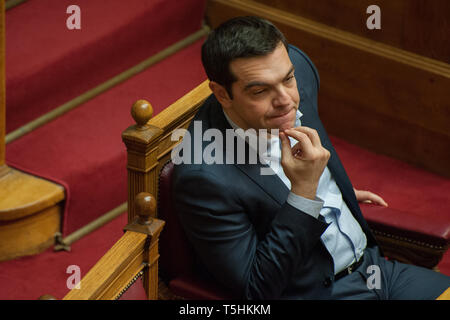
(135, 292)
(435, 231)
(419, 205)
(176, 254)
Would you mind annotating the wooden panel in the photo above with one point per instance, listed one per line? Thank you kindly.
(30, 235)
(419, 26)
(114, 270)
(386, 99)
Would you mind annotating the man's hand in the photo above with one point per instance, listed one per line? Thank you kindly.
(369, 197)
(304, 163)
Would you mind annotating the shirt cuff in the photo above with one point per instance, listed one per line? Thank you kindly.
(308, 206)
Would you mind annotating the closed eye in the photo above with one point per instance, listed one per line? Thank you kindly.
(289, 78)
(260, 91)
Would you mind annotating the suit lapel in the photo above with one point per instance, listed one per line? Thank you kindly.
(271, 184)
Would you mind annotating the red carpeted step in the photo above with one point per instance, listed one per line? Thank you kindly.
(47, 64)
(83, 149)
(28, 278)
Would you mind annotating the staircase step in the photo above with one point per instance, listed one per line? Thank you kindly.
(28, 278)
(83, 150)
(48, 64)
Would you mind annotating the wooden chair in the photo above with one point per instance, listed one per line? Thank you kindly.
(149, 146)
(135, 255)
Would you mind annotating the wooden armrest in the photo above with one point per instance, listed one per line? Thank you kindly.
(114, 270)
(445, 295)
(135, 252)
(408, 237)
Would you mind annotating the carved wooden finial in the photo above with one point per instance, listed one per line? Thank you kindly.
(141, 112)
(145, 207)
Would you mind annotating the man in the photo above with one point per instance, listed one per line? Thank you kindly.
(297, 233)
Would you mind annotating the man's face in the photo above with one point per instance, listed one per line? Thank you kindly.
(265, 95)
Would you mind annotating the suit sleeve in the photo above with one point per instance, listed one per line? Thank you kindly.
(215, 220)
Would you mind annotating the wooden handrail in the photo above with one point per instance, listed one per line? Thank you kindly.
(136, 251)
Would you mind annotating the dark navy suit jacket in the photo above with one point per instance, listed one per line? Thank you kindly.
(242, 229)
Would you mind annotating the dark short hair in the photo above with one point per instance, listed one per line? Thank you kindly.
(240, 37)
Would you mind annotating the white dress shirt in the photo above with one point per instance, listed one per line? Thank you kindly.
(344, 238)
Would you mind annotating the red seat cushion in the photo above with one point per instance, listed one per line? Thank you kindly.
(176, 257)
(135, 292)
(434, 231)
(418, 200)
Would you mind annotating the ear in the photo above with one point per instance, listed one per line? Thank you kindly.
(221, 94)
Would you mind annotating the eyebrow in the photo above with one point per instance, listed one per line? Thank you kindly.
(261, 83)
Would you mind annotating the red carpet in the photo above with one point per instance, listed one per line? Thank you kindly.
(83, 149)
(47, 64)
(28, 278)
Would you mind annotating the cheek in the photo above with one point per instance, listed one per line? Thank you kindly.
(295, 96)
(294, 93)
(258, 109)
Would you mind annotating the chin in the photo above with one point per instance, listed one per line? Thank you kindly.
(286, 126)
(284, 122)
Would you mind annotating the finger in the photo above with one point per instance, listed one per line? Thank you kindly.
(365, 196)
(286, 152)
(304, 143)
(312, 135)
(297, 150)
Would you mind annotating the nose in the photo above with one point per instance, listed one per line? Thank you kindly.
(282, 98)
